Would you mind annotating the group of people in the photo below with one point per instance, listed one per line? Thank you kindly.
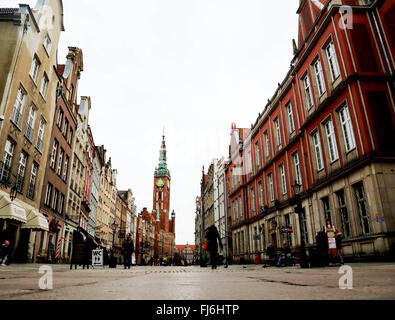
(4, 253)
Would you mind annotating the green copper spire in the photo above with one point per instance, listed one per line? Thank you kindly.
(162, 169)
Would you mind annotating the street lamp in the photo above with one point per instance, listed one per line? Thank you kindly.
(299, 210)
(13, 192)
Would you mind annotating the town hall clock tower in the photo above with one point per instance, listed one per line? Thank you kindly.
(161, 197)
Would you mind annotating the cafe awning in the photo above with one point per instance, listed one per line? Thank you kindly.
(10, 210)
(36, 221)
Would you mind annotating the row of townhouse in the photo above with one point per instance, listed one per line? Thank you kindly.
(328, 131)
(51, 172)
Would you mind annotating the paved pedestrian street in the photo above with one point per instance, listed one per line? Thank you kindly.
(251, 282)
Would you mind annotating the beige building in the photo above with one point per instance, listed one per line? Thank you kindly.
(106, 209)
(28, 82)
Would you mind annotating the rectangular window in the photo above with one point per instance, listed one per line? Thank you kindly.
(32, 181)
(40, 135)
(327, 209)
(53, 154)
(17, 113)
(307, 89)
(271, 189)
(267, 144)
(34, 69)
(70, 136)
(278, 132)
(291, 121)
(55, 200)
(319, 76)
(332, 61)
(48, 195)
(348, 132)
(362, 208)
(7, 161)
(47, 43)
(298, 176)
(60, 119)
(318, 151)
(65, 127)
(60, 162)
(257, 155)
(253, 212)
(260, 187)
(21, 171)
(30, 123)
(44, 85)
(330, 135)
(283, 178)
(344, 214)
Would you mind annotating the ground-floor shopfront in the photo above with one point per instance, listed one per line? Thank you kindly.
(19, 224)
(360, 205)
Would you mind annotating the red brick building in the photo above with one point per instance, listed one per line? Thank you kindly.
(56, 179)
(162, 228)
(329, 127)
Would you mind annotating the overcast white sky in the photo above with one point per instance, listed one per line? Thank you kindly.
(191, 66)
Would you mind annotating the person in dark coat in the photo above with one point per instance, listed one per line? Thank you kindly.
(212, 238)
(4, 253)
(339, 239)
(127, 250)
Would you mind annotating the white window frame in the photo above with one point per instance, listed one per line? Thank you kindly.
(318, 151)
(34, 68)
(278, 132)
(308, 92)
(319, 75)
(53, 154)
(267, 143)
(331, 138)
(70, 136)
(348, 131)
(40, 135)
(30, 122)
(21, 171)
(60, 118)
(283, 178)
(261, 200)
(32, 181)
(19, 105)
(257, 155)
(271, 187)
(65, 127)
(291, 120)
(60, 162)
(332, 61)
(298, 175)
(7, 159)
(44, 85)
(54, 205)
(47, 43)
(48, 195)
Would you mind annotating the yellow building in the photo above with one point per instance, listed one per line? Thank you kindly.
(28, 82)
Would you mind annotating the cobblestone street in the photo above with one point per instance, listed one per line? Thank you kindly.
(252, 282)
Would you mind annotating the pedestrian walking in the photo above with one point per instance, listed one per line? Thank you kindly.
(127, 250)
(4, 253)
(339, 239)
(331, 234)
(213, 239)
(286, 254)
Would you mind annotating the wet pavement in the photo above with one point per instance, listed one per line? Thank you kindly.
(250, 282)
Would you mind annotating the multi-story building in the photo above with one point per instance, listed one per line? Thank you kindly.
(207, 194)
(186, 252)
(328, 129)
(107, 201)
(57, 177)
(130, 226)
(198, 225)
(28, 83)
(94, 192)
(220, 200)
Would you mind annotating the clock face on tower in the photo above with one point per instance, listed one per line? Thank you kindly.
(160, 183)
